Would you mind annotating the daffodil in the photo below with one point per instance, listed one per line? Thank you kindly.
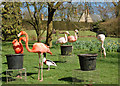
(108, 43)
(114, 43)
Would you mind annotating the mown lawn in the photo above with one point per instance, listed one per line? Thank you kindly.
(68, 68)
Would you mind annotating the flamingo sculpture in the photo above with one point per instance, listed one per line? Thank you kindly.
(39, 48)
(63, 40)
(73, 38)
(17, 46)
(101, 37)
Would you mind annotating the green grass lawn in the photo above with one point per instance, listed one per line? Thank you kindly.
(68, 67)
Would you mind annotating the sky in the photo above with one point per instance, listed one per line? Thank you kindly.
(62, 0)
(32, 9)
(95, 0)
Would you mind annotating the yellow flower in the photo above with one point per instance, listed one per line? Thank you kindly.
(113, 42)
(108, 43)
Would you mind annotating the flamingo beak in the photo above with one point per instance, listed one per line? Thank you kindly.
(77, 34)
(19, 35)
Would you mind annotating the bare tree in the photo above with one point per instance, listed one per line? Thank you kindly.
(52, 7)
(116, 8)
(36, 19)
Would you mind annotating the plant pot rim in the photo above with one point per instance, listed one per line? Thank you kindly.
(14, 54)
(66, 45)
(88, 55)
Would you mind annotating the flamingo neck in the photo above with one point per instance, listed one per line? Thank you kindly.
(65, 38)
(20, 40)
(26, 43)
(75, 36)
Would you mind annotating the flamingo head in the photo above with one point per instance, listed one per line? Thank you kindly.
(76, 31)
(14, 41)
(67, 32)
(21, 33)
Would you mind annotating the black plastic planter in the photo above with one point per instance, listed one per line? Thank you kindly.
(66, 50)
(87, 61)
(15, 61)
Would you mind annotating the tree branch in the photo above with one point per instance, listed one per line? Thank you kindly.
(34, 4)
(114, 4)
(29, 11)
(57, 5)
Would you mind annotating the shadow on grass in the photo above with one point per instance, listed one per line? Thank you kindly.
(60, 61)
(29, 74)
(4, 63)
(12, 79)
(44, 68)
(4, 79)
(70, 79)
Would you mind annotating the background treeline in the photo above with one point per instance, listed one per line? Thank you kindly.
(61, 25)
(16, 16)
(109, 27)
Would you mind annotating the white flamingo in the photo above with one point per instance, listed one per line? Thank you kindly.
(63, 40)
(101, 37)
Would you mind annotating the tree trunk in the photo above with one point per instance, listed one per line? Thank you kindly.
(38, 37)
(118, 8)
(50, 26)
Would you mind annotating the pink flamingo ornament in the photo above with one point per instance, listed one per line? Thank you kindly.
(39, 48)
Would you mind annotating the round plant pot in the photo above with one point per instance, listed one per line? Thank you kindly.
(87, 61)
(15, 61)
(66, 50)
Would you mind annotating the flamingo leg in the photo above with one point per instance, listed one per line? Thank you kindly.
(42, 68)
(104, 53)
(103, 50)
(39, 67)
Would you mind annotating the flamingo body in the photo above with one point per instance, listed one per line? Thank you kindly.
(17, 46)
(101, 37)
(40, 48)
(63, 40)
(73, 38)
